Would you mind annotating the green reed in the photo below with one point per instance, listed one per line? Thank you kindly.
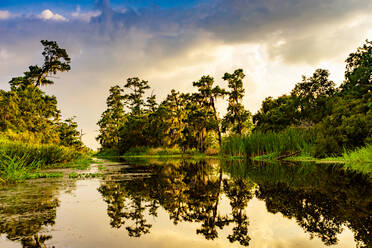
(16, 169)
(44, 154)
(258, 144)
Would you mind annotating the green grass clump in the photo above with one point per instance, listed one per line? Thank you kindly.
(361, 155)
(258, 144)
(16, 169)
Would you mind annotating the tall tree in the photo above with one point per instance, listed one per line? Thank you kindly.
(358, 74)
(26, 108)
(112, 119)
(236, 115)
(135, 99)
(56, 60)
(207, 95)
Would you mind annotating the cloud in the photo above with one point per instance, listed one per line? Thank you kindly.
(85, 16)
(4, 14)
(49, 15)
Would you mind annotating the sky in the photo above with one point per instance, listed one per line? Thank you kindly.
(173, 43)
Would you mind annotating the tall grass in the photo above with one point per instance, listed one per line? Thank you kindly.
(258, 144)
(45, 154)
(361, 155)
(16, 169)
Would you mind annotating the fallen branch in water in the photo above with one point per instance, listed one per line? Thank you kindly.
(287, 155)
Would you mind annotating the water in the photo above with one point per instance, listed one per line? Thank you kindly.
(206, 203)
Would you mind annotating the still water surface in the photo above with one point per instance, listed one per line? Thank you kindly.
(178, 203)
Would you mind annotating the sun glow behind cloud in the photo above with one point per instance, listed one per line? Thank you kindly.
(172, 47)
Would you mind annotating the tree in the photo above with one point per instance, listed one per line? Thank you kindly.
(135, 98)
(358, 73)
(68, 133)
(236, 114)
(311, 96)
(27, 109)
(349, 123)
(112, 119)
(55, 59)
(207, 95)
(276, 114)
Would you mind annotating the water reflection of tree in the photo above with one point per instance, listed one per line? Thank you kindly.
(239, 191)
(25, 210)
(321, 198)
(189, 192)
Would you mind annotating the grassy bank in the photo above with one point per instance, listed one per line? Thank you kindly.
(359, 159)
(20, 161)
(292, 145)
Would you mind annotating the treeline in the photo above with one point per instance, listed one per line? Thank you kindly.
(339, 117)
(185, 120)
(28, 114)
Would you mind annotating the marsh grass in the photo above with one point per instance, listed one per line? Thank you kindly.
(16, 169)
(276, 143)
(20, 161)
(361, 155)
(45, 154)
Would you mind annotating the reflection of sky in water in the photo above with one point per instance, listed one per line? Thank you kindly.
(82, 221)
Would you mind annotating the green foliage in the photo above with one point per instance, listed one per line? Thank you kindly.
(340, 118)
(184, 120)
(28, 109)
(359, 156)
(276, 114)
(112, 119)
(31, 115)
(236, 115)
(350, 123)
(69, 136)
(358, 74)
(44, 154)
(348, 127)
(306, 106)
(16, 168)
(311, 96)
(135, 98)
(258, 143)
